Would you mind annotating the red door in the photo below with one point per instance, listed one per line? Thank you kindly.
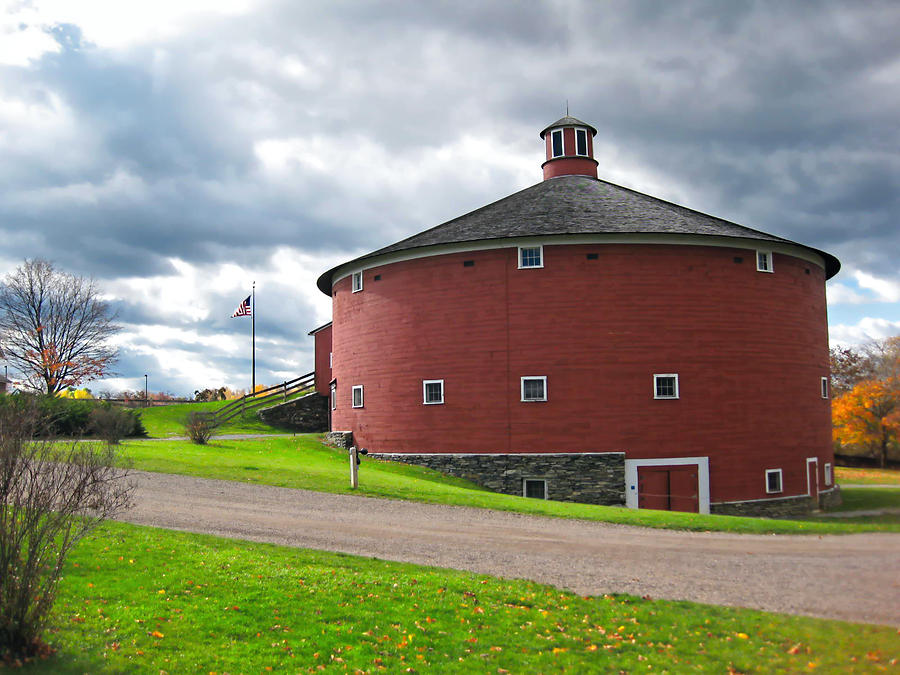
(669, 488)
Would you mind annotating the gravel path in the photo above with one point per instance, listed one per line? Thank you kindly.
(852, 577)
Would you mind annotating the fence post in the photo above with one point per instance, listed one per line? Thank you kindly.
(284, 391)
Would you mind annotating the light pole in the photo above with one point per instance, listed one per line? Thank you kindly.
(146, 399)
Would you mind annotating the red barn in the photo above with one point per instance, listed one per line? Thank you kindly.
(582, 341)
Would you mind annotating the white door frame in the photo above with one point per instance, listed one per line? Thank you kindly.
(631, 477)
(812, 460)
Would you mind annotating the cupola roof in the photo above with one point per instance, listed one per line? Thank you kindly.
(569, 121)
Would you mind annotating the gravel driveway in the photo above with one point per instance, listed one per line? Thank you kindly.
(852, 577)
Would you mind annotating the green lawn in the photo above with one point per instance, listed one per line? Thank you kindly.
(857, 499)
(153, 601)
(166, 421)
(303, 462)
(865, 476)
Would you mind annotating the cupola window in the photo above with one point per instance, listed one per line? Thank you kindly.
(581, 146)
(556, 143)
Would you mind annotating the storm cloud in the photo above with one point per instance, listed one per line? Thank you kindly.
(180, 157)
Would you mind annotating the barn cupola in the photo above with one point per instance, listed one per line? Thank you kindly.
(570, 149)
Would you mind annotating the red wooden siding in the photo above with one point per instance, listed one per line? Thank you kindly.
(323, 363)
(750, 350)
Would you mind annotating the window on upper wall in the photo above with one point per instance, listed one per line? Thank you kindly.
(334, 395)
(357, 281)
(665, 385)
(764, 261)
(534, 388)
(556, 143)
(829, 477)
(358, 396)
(432, 392)
(581, 143)
(536, 488)
(531, 256)
(773, 481)
(824, 387)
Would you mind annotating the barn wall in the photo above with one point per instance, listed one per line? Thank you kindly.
(749, 348)
(322, 356)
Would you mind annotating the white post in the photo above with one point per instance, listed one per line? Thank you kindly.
(354, 469)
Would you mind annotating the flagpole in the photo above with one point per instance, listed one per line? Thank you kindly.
(253, 341)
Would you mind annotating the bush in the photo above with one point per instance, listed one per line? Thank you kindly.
(199, 427)
(74, 418)
(52, 494)
(112, 423)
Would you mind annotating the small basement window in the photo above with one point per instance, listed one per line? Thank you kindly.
(536, 488)
(665, 385)
(357, 396)
(334, 395)
(581, 145)
(824, 387)
(534, 388)
(556, 143)
(764, 261)
(357, 282)
(773, 481)
(829, 476)
(531, 256)
(432, 392)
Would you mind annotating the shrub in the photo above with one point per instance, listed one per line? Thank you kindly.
(52, 494)
(199, 427)
(112, 423)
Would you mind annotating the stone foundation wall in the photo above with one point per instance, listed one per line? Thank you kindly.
(831, 498)
(307, 414)
(597, 478)
(784, 507)
(339, 439)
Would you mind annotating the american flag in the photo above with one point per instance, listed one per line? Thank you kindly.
(243, 309)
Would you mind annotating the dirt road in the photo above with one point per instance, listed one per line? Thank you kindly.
(854, 577)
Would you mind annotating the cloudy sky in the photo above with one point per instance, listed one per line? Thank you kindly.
(179, 150)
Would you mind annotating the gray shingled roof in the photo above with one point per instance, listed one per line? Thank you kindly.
(577, 205)
(568, 121)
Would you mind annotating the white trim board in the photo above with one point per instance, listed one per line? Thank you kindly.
(718, 241)
(631, 477)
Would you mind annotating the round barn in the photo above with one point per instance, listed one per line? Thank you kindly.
(581, 341)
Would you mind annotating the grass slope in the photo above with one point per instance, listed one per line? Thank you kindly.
(167, 421)
(303, 462)
(152, 601)
(859, 476)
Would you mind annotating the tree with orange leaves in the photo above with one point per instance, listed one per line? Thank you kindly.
(868, 416)
(54, 327)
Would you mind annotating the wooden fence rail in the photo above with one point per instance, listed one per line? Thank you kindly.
(263, 397)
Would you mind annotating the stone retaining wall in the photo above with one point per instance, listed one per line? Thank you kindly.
(307, 414)
(783, 507)
(339, 439)
(589, 478)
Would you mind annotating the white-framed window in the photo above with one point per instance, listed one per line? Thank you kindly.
(581, 142)
(824, 387)
(534, 388)
(665, 385)
(556, 143)
(764, 261)
(773, 481)
(334, 395)
(357, 281)
(357, 396)
(829, 476)
(536, 488)
(432, 392)
(531, 256)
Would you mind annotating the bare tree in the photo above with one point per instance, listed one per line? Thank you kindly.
(54, 328)
(51, 495)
